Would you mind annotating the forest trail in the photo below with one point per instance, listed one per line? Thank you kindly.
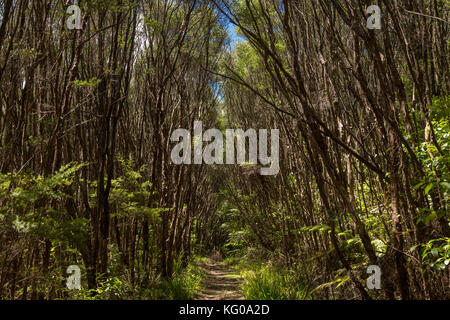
(219, 283)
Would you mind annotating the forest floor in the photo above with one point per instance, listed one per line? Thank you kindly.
(219, 282)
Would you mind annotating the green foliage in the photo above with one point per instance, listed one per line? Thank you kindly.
(247, 59)
(435, 157)
(32, 205)
(237, 241)
(340, 279)
(108, 288)
(130, 193)
(182, 285)
(435, 253)
(319, 228)
(93, 82)
(153, 25)
(271, 283)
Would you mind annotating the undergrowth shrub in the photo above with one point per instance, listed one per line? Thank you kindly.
(271, 283)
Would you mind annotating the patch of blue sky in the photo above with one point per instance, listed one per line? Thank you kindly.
(233, 36)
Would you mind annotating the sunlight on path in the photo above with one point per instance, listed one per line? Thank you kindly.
(219, 283)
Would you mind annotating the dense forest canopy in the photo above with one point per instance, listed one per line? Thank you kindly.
(90, 97)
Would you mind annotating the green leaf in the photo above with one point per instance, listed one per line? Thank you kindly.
(440, 266)
(430, 217)
(446, 185)
(435, 252)
(428, 188)
(417, 186)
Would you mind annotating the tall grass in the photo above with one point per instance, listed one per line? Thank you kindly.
(267, 279)
(183, 285)
(272, 283)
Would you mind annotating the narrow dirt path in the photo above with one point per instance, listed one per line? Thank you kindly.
(219, 283)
